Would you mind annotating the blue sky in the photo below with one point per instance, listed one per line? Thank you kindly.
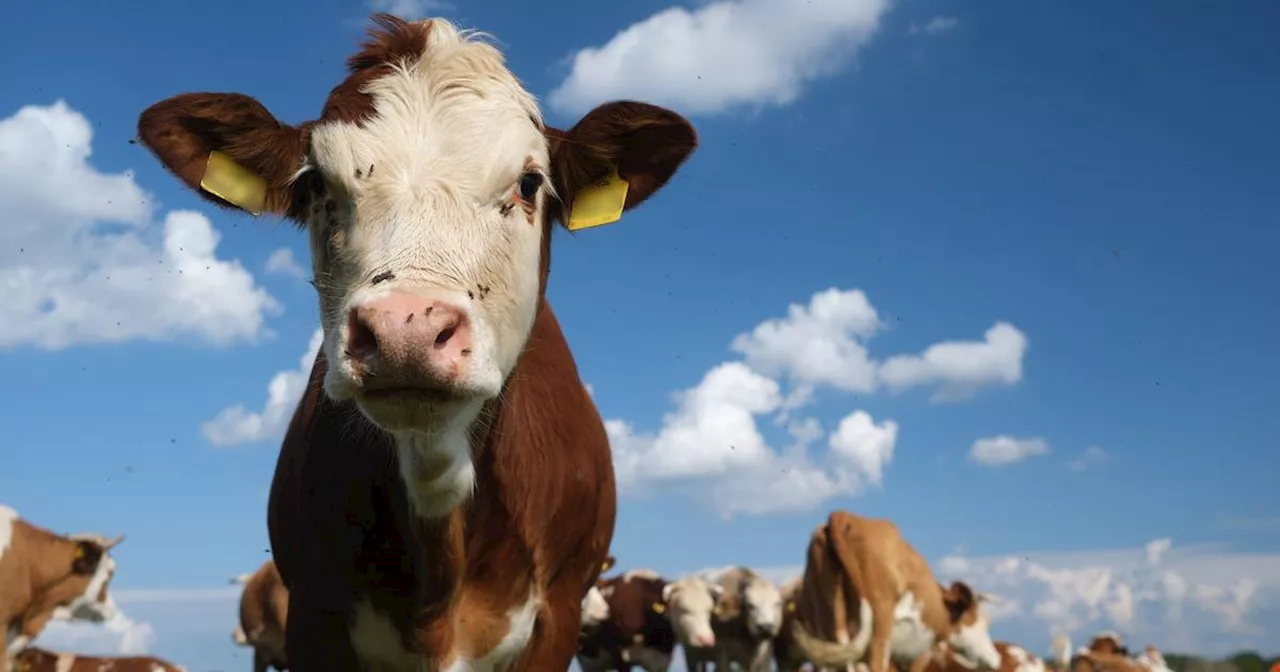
(1098, 178)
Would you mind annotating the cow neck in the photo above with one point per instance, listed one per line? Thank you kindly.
(933, 610)
(51, 553)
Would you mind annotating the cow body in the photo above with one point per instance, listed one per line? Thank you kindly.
(867, 593)
(747, 616)
(264, 612)
(33, 659)
(637, 631)
(444, 495)
(44, 575)
(1013, 658)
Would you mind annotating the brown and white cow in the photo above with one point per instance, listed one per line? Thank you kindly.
(43, 575)
(1013, 658)
(867, 592)
(264, 611)
(445, 493)
(33, 659)
(690, 602)
(637, 632)
(745, 620)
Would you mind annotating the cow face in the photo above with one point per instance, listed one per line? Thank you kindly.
(689, 603)
(595, 608)
(763, 607)
(970, 627)
(428, 186)
(88, 583)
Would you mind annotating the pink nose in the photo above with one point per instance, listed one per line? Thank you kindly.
(404, 340)
(704, 640)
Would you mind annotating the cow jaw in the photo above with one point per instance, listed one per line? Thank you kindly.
(972, 640)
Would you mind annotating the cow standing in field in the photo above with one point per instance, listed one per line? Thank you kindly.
(444, 495)
(867, 592)
(264, 612)
(636, 631)
(43, 575)
(33, 659)
(689, 604)
(745, 620)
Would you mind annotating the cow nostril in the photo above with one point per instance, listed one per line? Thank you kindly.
(362, 343)
(442, 339)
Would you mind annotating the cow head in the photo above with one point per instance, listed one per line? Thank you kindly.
(87, 585)
(689, 603)
(429, 186)
(970, 627)
(595, 608)
(763, 606)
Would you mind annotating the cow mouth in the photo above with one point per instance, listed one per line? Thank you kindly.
(415, 395)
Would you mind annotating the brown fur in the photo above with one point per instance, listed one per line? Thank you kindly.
(41, 571)
(33, 659)
(1095, 661)
(852, 558)
(943, 659)
(636, 618)
(264, 613)
(543, 514)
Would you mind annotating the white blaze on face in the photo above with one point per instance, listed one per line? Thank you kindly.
(595, 609)
(973, 640)
(87, 606)
(690, 602)
(764, 606)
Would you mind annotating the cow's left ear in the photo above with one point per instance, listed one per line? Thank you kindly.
(959, 598)
(87, 556)
(615, 158)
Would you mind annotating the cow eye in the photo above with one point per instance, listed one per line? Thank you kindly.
(529, 184)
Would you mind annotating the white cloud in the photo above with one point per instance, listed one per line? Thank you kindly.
(282, 262)
(721, 55)
(118, 636)
(713, 436)
(1093, 455)
(997, 451)
(1199, 598)
(821, 343)
(409, 9)
(958, 368)
(82, 259)
(934, 26)
(235, 424)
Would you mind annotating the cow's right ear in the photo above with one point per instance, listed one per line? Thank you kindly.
(959, 598)
(228, 148)
(608, 564)
(87, 556)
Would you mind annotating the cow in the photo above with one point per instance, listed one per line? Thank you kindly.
(47, 575)
(444, 495)
(865, 591)
(34, 659)
(745, 620)
(264, 612)
(595, 608)
(637, 631)
(689, 603)
(1108, 642)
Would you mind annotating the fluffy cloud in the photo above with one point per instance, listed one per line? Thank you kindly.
(1199, 598)
(722, 54)
(236, 425)
(959, 368)
(934, 26)
(712, 442)
(997, 451)
(119, 636)
(82, 259)
(282, 262)
(1089, 457)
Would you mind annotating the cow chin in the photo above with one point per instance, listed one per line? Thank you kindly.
(974, 642)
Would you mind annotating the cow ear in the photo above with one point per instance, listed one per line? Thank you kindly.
(228, 148)
(615, 158)
(86, 558)
(959, 598)
(608, 564)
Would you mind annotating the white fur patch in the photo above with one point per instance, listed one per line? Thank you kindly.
(974, 642)
(521, 621)
(7, 518)
(453, 482)
(911, 638)
(65, 661)
(17, 642)
(595, 609)
(640, 574)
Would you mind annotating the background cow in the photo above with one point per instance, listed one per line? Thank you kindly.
(745, 620)
(445, 492)
(636, 632)
(34, 659)
(867, 592)
(689, 604)
(264, 611)
(42, 571)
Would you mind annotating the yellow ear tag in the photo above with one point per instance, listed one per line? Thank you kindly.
(659, 607)
(600, 203)
(234, 183)
(604, 566)
(791, 606)
(79, 552)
